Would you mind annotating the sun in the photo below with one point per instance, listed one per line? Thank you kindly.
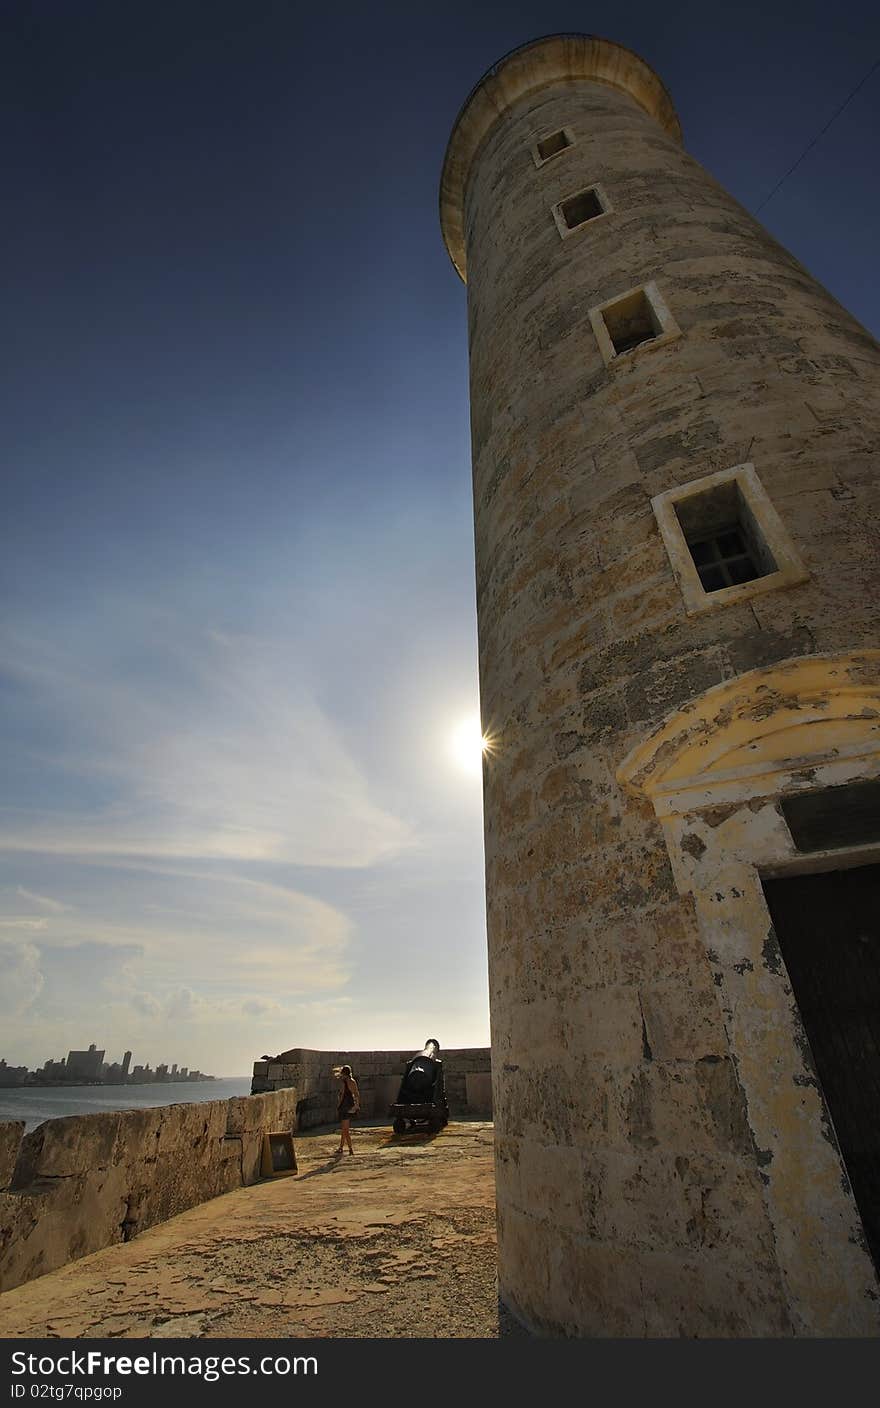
(467, 745)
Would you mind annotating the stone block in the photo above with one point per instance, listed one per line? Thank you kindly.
(64, 1147)
(552, 1174)
(139, 1135)
(725, 1296)
(603, 1026)
(478, 1087)
(682, 1022)
(251, 1156)
(11, 1134)
(274, 1110)
(186, 1127)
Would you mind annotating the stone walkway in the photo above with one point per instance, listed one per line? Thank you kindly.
(397, 1241)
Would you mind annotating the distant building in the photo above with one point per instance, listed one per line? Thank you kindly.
(85, 1065)
(126, 1064)
(12, 1075)
(50, 1073)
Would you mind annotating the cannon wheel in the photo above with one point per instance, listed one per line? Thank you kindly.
(436, 1123)
(399, 1125)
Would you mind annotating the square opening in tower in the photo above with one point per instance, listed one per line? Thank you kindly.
(577, 210)
(723, 537)
(631, 321)
(554, 144)
(725, 540)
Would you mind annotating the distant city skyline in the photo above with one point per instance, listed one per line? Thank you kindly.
(237, 635)
(88, 1067)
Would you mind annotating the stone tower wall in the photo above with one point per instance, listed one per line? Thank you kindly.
(632, 1185)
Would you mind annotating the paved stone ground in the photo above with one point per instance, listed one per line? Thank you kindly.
(397, 1241)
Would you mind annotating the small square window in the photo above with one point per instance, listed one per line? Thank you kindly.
(633, 319)
(551, 145)
(630, 322)
(578, 210)
(725, 540)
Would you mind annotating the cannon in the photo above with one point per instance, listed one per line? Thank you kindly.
(421, 1099)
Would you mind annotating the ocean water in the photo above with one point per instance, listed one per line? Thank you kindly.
(34, 1105)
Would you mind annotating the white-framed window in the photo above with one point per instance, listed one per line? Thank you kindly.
(578, 210)
(725, 540)
(631, 321)
(552, 144)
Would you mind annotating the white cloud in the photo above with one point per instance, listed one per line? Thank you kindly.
(183, 1005)
(42, 901)
(259, 1007)
(224, 755)
(189, 798)
(22, 978)
(145, 1004)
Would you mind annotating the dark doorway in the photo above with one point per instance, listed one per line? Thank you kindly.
(828, 927)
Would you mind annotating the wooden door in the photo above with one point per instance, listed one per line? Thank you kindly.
(828, 927)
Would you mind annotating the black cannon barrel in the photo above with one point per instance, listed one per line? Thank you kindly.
(422, 1095)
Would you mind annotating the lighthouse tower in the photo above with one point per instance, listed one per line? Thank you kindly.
(675, 441)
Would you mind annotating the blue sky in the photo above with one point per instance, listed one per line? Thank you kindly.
(238, 623)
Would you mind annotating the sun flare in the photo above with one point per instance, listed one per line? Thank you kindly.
(467, 744)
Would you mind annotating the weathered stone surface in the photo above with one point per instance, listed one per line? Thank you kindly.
(378, 1074)
(411, 1217)
(11, 1133)
(88, 1181)
(625, 1040)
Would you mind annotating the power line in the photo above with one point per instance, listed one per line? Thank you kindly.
(818, 135)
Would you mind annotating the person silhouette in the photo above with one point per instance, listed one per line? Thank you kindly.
(349, 1104)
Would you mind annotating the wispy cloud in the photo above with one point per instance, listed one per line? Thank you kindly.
(22, 979)
(202, 860)
(41, 901)
(226, 754)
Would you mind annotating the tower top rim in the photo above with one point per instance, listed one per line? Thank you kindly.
(525, 70)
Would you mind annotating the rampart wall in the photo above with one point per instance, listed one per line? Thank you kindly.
(78, 1184)
(467, 1074)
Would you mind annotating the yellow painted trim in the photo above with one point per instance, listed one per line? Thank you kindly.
(800, 711)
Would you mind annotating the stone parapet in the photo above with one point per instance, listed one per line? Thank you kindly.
(467, 1072)
(78, 1184)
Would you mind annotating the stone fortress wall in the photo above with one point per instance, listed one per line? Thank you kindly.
(78, 1184)
(467, 1075)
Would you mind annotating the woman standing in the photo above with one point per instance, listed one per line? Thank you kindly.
(349, 1104)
